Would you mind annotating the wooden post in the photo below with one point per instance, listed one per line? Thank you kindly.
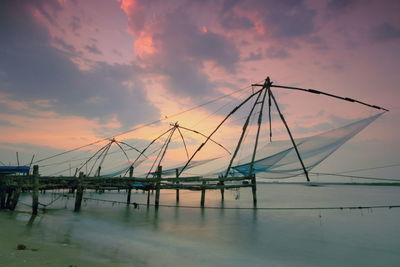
(222, 189)
(203, 194)
(79, 193)
(157, 200)
(148, 197)
(2, 197)
(254, 189)
(2, 192)
(9, 193)
(128, 198)
(14, 198)
(177, 182)
(35, 190)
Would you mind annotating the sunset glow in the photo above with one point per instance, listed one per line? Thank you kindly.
(73, 72)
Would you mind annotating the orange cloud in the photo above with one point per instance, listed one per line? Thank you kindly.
(144, 44)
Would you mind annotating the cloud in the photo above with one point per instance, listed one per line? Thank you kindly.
(339, 6)
(253, 56)
(385, 32)
(33, 69)
(75, 24)
(93, 49)
(282, 19)
(175, 46)
(276, 52)
(289, 18)
(235, 22)
(66, 47)
(5, 123)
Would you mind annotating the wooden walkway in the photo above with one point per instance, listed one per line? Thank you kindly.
(11, 186)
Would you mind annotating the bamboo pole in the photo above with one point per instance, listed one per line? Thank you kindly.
(266, 87)
(331, 95)
(291, 137)
(216, 129)
(244, 129)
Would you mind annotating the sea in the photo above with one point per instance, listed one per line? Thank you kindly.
(293, 225)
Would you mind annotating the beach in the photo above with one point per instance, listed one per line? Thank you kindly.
(222, 234)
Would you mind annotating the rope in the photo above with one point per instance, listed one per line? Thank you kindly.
(44, 205)
(144, 125)
(249, 208)
(372, 168)
(354, 176)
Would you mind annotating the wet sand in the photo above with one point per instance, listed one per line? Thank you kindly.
(38, 252)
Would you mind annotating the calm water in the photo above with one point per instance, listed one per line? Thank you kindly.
(114, 234)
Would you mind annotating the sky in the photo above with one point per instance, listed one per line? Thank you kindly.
(74, 71)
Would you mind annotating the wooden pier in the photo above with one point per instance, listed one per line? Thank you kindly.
(11, 186)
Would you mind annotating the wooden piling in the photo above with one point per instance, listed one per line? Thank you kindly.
(14, 198)
(254, 189)
(2, 198)
(203, 194)
(158, 183)
(148, 197)
(221, 182)
(9, 193)
(35, 190)
(222, 191)
(79, 193)
(2, 192)
(128, 198)
(177, 190)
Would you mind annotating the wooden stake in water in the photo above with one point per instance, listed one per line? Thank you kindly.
(177, 190)
(158, 183)
(79, 193)
(128, 199)
(35, 190)
(14, 198)
(203, 194)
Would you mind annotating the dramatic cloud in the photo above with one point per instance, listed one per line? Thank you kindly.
(33, 69)
(284, 19)
(176, 47)
(89, 68)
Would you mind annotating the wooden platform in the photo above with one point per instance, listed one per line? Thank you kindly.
(11, 186)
